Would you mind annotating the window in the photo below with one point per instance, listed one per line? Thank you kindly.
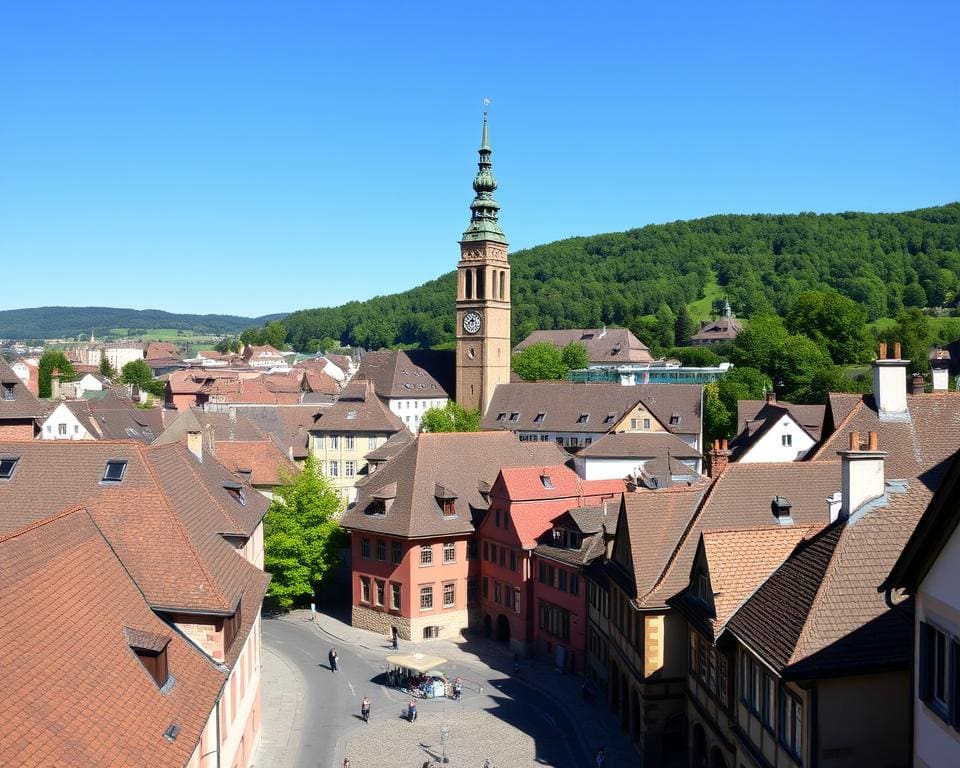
(76, 429)
(318, 442)
(574, 584)
(513, 560)
(371, 443)
(496, 518)
(791, 722)
(381, 550)
(7, 465)
(426, 598)
(395, 596)
(634, 423)
(693, 653)
(646, 423)
(431, 633)
(503, 556)
(365, 549)
(364, 589)
(583, 418)
(395, 553)
(449, 595)
(516, 600)
(348, 440)
(334, 469)
(486, 550)
(939, 673)
(722, 682)
(6, 393)
(426, 554)
(349, 468)
(674, 419)
(786, 440)
(114, 471)
(758, 690)
(471, 549)
(554, 620)
(538, 419)
(334, 442)
(449, 552)
(449, 508)
(609, 418)
(151, 652)
(61, 429)
(501, 416)
(546, 482)
(703, 589)
(514, 416)
(471, 591)
(493, 553)
(379, 593)
(484, 587)
(561, 580)
(497, 597)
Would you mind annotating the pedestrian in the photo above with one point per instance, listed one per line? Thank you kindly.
(346, 763)
(457, 688)
(395, 639)
(334, 660)
(412, 711)
(602, 758)
(365, 709)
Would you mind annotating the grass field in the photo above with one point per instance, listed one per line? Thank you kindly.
(702, 309)
(168, 334)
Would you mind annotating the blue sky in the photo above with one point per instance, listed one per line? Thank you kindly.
(248, 158)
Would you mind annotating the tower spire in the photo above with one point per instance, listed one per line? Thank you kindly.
(484, 210)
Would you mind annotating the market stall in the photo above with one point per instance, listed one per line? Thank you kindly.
(417, 674)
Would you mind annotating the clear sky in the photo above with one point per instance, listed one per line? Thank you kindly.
(249, 158)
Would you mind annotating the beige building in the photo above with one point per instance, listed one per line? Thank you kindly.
(344, 433)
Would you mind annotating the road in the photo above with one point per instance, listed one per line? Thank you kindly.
(329, 711)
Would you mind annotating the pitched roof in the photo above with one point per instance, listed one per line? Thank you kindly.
(920, 446)
(590, 521)
(81, 697)
(605, 346)
(639, 445)
(756, 424)
(23, 405)
(263, 459)
(559, 406)
(456, 462)
(357, 410)
(123, 422)
(721, 329)
(161, 350)
(410, 373)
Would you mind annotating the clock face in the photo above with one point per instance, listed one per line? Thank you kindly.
(471, 322)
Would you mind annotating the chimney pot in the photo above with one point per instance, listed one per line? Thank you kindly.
(854, 441)
(872, 442)
(882, 355)
(896, 350)
(723, 445)
(772, 397)
(916, 384)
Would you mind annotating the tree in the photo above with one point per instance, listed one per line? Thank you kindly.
(914, 295)
(684, 328)
(136, 372)
(106, 369)
(915, 334)
(51, 359)
(717, 419)
(541, 361)
(666, 325)
(452, 417)
(834, 322)
(697, 357)
(574, 356)
(301, 537)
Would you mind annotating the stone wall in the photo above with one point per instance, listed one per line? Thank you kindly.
(380, 622)
(451, 623)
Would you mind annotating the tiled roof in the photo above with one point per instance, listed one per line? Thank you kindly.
(394, 444)
(410, 373)
(157, 350)
(123, 422)
(24, 404)
(74, 693)
(756, 417)
(919, 447)
(721, 329)
(318, 381)
(590, 521)
(357, 410)
(226, 425)
(455, 461)
(563, 406)
(605, 346)
(639, 445)
(265, 461)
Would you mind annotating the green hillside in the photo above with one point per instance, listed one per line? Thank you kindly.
(760, 263)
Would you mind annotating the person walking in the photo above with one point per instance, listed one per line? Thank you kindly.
(395, 639)
(602, 758)
(346, 763)
(334, 660)
(412, 711)
(365, 709)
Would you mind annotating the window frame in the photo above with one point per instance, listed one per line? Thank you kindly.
(449, 590)
(426, 555)
(426, 597)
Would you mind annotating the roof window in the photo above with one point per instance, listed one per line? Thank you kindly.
(115, 470)
(236, 490)
(173, 730)
(514, 416)
(501, 416)
(583, 418)
(7, 466)
(351, 415)
(674, 419)
(6, 391)
(610, 417)
(538, 419)
(546, 481)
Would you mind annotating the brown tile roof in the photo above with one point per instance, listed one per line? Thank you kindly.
(411, 373)
(756, 424)
(455, 461)
(721, 329)
(920, 447)
(564, 403)
(357, 410)
(81, 697)
(590, 521)
(261, 352)
(821, 612)
(124, 422)
(161, 350)
(606, 346)
(394, 444)
(23, 405)
(318, 381)
(265, 461)
(639, 445)
(226, 425)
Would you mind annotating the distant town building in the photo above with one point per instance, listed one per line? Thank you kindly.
(606, 347)
(719, 331)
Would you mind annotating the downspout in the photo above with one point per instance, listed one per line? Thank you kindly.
(219, 699)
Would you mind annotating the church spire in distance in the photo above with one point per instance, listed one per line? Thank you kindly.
(484, 209)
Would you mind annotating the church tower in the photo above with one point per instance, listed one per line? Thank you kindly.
(483, 294)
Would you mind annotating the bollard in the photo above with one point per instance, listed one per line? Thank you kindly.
(313, 612)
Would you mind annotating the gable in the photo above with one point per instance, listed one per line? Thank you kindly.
(635, 419)
(622, 551)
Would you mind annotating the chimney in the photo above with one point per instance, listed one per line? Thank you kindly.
(861, 474)
(890, 385)
(55, 384)
(916, 384)
(772, 397)
(195, 443)
(833, 506)
(940, 370)
(781, 510)
(718, 458)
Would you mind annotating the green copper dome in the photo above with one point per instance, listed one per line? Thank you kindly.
(484, 209)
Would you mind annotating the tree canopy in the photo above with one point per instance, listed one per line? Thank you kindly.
(450, 418)
(50, 360)
(301, 537)
(543, 361)
(834, 322)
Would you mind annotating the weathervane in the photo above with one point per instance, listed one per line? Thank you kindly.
(486, 103)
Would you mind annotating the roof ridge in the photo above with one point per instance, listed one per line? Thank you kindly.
(41, 522)
(861, 403)
(179, 526)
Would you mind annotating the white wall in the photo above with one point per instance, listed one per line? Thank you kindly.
(120, 356)
(770, 447)
(410, 409)
(71, 429)
(936, 744)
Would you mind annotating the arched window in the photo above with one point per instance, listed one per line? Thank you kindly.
(468, 286)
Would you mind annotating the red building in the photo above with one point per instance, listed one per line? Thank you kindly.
(524, 502)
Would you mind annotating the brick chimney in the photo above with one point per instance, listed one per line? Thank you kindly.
(771, 397)
(718, 458)
(916, 384)
(890, 385)
(861, 473)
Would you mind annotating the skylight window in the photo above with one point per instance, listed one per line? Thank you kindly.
(7, 466)
(501, 416)
(538, 419)
(583, 418)
(236, 490)
(514, 416)
(115, 470)
(547, 481)
(351, 414)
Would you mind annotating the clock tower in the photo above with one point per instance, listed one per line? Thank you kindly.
(483, 294)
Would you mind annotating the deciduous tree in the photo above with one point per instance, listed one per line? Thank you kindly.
(541, 361)
(452, 417)
(53, 358)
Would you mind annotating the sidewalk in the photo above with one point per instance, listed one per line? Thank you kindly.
(594, 724)
(282, 703)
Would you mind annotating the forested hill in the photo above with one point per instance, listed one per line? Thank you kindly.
(68, 322)
(761, 263)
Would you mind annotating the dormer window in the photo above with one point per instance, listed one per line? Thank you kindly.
(376, 507)
(244, 474)
(151, 652)
(546, 481)
(231, 628)
(115, 470)
(236, 490)
(674, 419)
(6, 391)
(583, 418)
(502, 416)
(538, 419)
(449, 508)
(703, 589)
(514, 416)
(564, 537)
(8, 464)
(610, 417)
